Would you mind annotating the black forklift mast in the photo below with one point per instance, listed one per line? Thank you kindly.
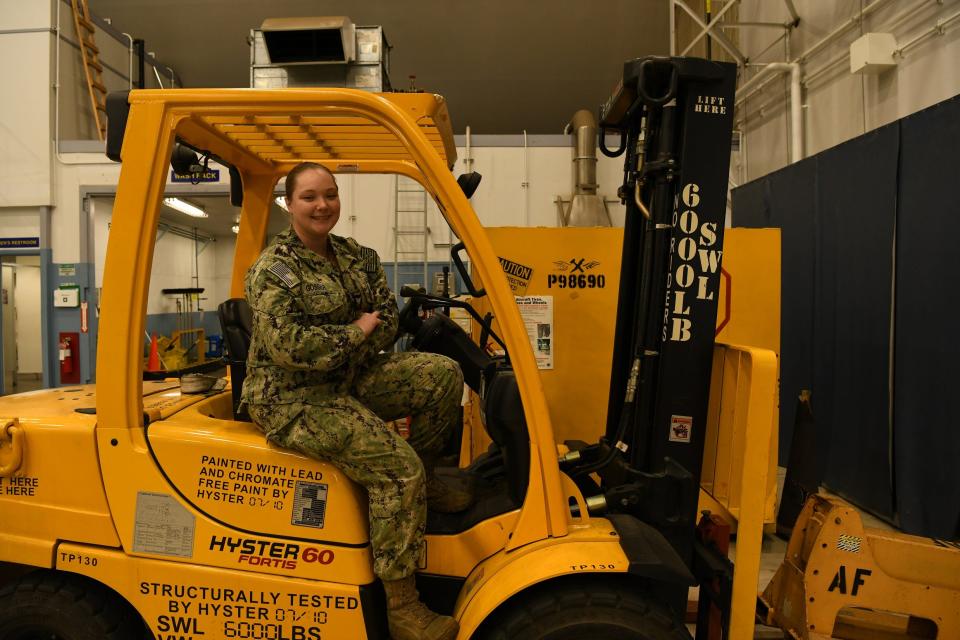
(674, 117)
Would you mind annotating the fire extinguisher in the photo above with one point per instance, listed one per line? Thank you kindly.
(66, 356)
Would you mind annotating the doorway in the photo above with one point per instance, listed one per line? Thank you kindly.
(21, 328)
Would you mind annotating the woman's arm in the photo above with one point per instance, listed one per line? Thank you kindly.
(281, 335)
(383, 336)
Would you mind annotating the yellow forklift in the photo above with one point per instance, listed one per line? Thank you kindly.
(134, 509)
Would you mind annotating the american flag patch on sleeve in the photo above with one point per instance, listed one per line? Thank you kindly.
(283, 272)
(371, 261)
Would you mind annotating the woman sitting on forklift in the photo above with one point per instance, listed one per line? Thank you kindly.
(318, 383)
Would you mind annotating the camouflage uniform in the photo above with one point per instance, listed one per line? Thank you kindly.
(314, 384)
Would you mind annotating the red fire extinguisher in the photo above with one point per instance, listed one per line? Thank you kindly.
(69, 346)
(66, 355)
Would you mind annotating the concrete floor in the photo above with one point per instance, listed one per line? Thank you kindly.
(24, 382)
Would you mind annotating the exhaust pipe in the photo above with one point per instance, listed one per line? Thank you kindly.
(587, 209)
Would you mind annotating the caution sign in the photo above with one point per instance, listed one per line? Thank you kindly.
(518, 276)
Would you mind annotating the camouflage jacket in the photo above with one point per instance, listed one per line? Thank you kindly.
(304, 347)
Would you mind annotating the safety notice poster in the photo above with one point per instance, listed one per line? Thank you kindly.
(537, 312)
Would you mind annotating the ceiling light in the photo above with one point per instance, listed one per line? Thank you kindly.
(282, 203)
(185, 207)
(235, 228)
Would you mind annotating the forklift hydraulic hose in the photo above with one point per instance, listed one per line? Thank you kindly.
(626, 416)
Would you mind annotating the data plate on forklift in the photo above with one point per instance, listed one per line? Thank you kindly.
(309, 504)
(162, 526)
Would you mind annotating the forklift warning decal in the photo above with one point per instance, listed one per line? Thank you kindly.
(680, 428)
(243, 482)
(309, 504)
(162, 526)
(694, 267)
(202, 612)
(25, 486)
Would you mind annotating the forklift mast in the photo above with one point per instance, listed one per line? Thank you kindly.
(674, 117)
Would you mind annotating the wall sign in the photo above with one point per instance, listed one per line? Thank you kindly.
(20, 243)
(196, 177)
(537, 313)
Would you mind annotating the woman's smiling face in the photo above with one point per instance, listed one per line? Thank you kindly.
(315, 205)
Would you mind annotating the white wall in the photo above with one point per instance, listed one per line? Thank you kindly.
(19, 222)
(27, 294)
(367, 202)
(839, 105)
(222, 271)
(25, 110)
(174, 264)
(79, 170)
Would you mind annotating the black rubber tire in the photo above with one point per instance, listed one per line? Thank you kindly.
(53, 605)
(583, 609)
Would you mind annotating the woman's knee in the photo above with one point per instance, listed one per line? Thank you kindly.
(447, 373)
(398, 487)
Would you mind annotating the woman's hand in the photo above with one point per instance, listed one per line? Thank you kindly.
(368, 322)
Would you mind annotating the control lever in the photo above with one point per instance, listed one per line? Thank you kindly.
(413, 294)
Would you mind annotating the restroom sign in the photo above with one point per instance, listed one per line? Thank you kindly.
(20, 243)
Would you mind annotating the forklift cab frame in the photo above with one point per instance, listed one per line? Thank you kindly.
(261, 135)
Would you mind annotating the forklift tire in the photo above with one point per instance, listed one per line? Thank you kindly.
(53, 605)
(584, 609)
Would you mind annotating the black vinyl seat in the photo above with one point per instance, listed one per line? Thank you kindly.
(236, 321)
(507, 427)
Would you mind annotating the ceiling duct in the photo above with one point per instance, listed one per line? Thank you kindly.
(586, 208)
(323, 51)
(320, 40)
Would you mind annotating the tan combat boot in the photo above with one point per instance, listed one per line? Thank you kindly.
(410, 619)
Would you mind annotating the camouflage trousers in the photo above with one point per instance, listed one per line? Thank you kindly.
(349, 432)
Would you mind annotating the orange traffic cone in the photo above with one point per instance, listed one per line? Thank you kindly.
(153, 362)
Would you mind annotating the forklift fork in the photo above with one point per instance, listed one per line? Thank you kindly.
(839, 579)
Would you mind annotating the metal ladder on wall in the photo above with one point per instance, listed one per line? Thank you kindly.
(92, 68)
(410, 234)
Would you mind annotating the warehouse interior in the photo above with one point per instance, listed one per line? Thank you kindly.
(836, 267)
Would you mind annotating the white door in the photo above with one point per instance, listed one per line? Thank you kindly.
(8, 276)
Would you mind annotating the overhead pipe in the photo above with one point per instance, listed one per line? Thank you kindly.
(796, 100)
(889, 24)
(836, 33)
(938, 29)
(525, 183)
(584, 126)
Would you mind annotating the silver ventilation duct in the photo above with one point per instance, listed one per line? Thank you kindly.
(587, 208)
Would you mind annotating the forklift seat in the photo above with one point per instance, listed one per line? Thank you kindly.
(236, 321)
(507, 427)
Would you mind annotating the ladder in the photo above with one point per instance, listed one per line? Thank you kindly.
(410, 233)
(92, 68)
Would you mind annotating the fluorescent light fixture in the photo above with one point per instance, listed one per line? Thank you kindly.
(235, 228)
(282, 203)
(185, 207)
